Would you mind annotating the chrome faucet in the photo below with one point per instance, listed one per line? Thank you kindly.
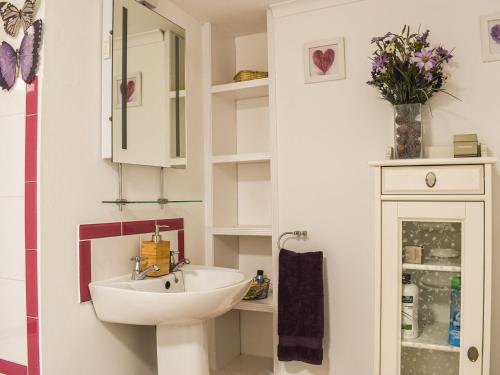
(136, 273)
(174, 267)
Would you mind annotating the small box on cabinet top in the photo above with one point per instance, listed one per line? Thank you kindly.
(465, 145)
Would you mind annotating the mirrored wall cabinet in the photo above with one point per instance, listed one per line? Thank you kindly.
(143, 87)
(433, 266)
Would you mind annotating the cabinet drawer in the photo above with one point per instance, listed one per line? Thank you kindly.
(434, 179)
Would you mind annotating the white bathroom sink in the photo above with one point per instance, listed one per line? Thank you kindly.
(200, 293)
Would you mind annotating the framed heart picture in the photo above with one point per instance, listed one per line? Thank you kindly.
(132, 90)
(324, 60)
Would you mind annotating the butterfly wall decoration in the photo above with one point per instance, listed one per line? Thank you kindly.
(23, 60)
(13, 17)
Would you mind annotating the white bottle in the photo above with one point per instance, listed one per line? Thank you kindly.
(409, 309)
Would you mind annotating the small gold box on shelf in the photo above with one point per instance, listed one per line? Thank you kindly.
(248, 75)
(465, 145)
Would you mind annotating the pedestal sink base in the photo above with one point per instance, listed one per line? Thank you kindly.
(182, 349)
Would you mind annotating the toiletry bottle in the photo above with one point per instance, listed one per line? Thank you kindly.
(456, 285)
(156, 252)
(260, 279)
(409, 313)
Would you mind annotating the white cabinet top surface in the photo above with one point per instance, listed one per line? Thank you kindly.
(443, 161)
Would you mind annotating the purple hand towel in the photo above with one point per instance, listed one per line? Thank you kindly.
(300, 307)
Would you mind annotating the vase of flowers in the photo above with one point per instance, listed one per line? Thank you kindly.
(407, 72)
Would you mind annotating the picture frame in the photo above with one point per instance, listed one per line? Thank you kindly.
(490, 37)
(324, 60)
(134, 90)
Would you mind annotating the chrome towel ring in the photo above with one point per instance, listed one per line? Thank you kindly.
(296, 233)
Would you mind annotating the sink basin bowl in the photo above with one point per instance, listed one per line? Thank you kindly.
(200, 293)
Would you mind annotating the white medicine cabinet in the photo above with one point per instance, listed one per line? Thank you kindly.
(433, 231)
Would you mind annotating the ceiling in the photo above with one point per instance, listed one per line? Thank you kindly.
(237, 16)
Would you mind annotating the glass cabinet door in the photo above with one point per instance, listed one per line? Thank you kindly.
(432, 288)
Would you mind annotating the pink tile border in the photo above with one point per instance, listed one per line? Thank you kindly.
(11, 368)
(30, 151)
(138, 227)
(180, 243)
(31, 283)
(32, 98)
(33, 347)
(92, 231)
(88, 232)
(31, 230)
(85, 270)
(30, 215)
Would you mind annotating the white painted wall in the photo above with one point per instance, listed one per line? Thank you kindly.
(74, 181)
(327, 132)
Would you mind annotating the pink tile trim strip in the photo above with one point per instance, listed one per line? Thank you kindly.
(138, 227)
(32, 98)
(92, 231)
(30, 151)
(180, 243)
(30, 215)
(33, 348)
(10, 368)
(174, 224)
(88, 232)
(85, 270)
(31, 283)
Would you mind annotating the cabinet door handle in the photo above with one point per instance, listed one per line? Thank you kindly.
(473, 354)
(431, 179)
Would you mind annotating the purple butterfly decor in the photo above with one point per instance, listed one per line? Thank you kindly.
(24, 60)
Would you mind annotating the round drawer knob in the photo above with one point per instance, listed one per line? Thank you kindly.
(473, 354)
(430, 179)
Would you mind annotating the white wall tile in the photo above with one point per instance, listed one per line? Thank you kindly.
(13, 101)
(12, 235)
(12, 130)
(13, 321)
(111, 256)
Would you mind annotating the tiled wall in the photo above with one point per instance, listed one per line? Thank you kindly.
(105, 249)
(18, 229)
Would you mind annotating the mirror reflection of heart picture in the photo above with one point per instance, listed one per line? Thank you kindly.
(324, 61)
(132, 90)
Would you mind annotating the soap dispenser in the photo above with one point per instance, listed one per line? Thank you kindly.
(156, 252)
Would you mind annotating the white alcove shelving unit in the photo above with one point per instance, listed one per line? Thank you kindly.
(239, 185)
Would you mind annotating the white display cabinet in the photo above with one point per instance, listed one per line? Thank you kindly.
(239, 180)
(434, 223)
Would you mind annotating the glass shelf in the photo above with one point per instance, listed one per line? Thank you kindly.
(158, 201)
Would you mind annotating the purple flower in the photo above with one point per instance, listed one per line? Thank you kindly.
(425, 59)
(428, 76)
(379, 64)
(495, 33)
(380, 38)
(422, 38)
(444, 54)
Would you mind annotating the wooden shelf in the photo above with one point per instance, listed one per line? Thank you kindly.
(260, 305)
(243, 90)
(431, 267)
(264, 230)
(241, 158)
(247, 365)
(432, 337)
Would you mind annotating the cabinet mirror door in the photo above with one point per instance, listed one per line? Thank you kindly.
(432, 288)
(148, 91)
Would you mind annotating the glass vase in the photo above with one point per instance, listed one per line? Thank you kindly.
(408, 131)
